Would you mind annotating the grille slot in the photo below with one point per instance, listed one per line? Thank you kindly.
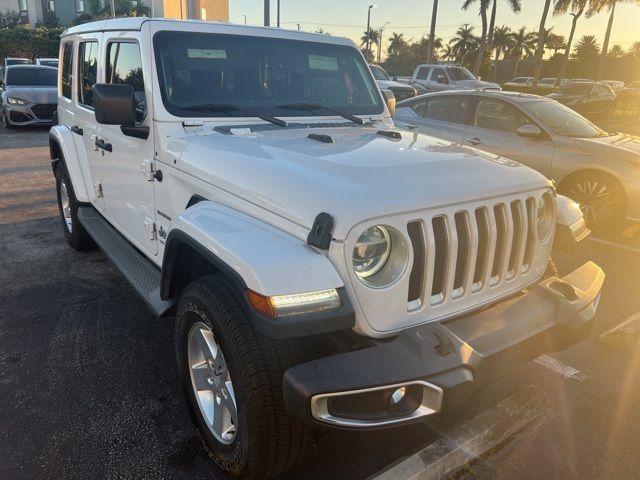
(518, 237)
(462, 230)
(531, 233)
(416, 279)
(501, 227)
(441, 254)
(483, 244)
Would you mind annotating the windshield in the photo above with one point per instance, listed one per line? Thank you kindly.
(32, 76)
(519, 80)
(576, 89)
(547, 81)
(379, 73)
(564, 121)
(17, 61)
(213, 75)
(459, 73)
(49, 63)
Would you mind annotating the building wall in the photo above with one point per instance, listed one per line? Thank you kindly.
(65, 10)
(213, 10)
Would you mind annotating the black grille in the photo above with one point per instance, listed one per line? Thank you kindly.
(462, 230)
(417, 269)
(441, 254)
(44, 111)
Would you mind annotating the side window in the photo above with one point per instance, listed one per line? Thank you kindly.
(124, 66)
(498, 115)
(419, 107)
(87, 72)
(423, 73)
(599, 91)
(446, 109)
(438, 72)
(67, 70)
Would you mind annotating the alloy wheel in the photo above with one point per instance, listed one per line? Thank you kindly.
(211, 382)
(597, 200)
(65, 206)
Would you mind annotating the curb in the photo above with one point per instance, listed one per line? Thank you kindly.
(469, 440)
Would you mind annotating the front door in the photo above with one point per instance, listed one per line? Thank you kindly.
(493, 128)
(128, 160)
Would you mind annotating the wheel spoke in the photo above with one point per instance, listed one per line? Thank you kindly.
(201, 375)
(207, 345)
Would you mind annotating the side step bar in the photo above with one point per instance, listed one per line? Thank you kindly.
(137, 269)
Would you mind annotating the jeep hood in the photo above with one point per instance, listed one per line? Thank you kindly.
(361, 175)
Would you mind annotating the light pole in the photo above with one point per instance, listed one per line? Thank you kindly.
(368, 32)
(380, 41)
(267, 11)
(432, 33)
(278, 13)
(245, 19)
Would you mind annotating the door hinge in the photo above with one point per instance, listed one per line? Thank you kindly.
(98, 189)
(150, 227)
(150, 173)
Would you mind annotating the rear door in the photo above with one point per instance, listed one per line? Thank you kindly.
(434, 85)
(128, 187)
(83, 120)
(441, 116)
(493, 129)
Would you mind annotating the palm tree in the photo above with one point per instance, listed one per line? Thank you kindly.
(587, 50)
(555, 42)
(634, 51)
(598, 6)
(463, 42)
(432, 31)
(577, 8)
(515, 5)
(616, 51)
(540, 46)
(501, 41)
(447, 53)
(373, 36)
(397, 43)
(482, 45)
(523, 44)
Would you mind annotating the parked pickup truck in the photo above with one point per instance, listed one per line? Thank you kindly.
(324, 268)
(439, 77)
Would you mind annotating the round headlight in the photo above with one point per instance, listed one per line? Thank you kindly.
(371, 251)
(545, 217)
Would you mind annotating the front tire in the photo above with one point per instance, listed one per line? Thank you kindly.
(601, 198)
(230, 370)
(74, 232)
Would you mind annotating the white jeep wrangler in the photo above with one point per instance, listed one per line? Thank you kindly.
(324, 268)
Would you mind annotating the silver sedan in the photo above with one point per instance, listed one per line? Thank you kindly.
(28, 95)
(599, 170)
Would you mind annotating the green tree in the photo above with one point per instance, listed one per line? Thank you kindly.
(555, 42)
(523, 44)
(502, 41)
(9, 19)
(577, 9)
(464, 43)
(586, 50)
(482, 43)
(397, 44)
(616, 52)
(514, 5)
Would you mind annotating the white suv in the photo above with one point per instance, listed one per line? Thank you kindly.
(324, 268)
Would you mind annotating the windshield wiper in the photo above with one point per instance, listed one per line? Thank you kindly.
(314, 106)
(228, 109)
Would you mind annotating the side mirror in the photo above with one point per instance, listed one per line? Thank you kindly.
(529, 131)
(394, 78)
(443, 79)
(390, 100)
(114, 104)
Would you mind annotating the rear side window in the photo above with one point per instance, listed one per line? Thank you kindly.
(124, 66)
(423, 73)
(438, 72)
(67, 69)
(87, 72)
(445, 109)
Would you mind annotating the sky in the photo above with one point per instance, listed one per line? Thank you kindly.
(348, 18)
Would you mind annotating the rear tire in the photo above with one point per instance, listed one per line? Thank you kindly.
(601, 198)
(74, 232)
(264, 441)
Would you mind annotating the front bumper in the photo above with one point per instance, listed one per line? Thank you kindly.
(441, 364)
(23, 115)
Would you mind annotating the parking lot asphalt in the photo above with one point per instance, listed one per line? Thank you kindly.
(88, 386)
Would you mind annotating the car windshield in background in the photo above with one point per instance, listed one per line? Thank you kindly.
(32, 76)
(17, 61)
(564, 121)
(204, 74)
(459, 73)
(576, 89)
(379, 73)
(547, 81)
(49, 63)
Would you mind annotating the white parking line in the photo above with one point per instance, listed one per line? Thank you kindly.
(560, 368)
(615, 244)
(470, 440)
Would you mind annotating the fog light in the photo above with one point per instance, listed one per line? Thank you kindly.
(398, 395)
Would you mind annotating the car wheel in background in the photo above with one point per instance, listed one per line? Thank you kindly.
(232, 378)
(600, 196)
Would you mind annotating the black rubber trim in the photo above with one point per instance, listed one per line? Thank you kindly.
(195, 199)
(277, 328)
(135, 131)
(390, 134)
(321, 138)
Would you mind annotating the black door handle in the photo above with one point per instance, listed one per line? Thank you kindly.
(100, 143)
(77, 130)
(474, 141)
